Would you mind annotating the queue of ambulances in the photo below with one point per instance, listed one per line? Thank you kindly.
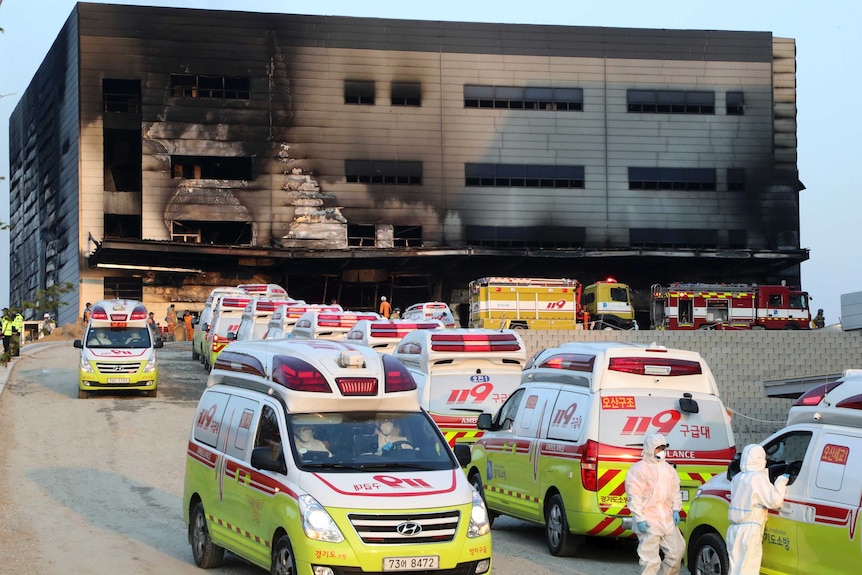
(289, 467)
(383, 335)
(254, 322)
(285, 317)
(118, 349)
(332, 325)
(729, 306)
(818, 528)
(430, 310)
(199, 338)
(461, 373)
(557, 452)
(227, 313)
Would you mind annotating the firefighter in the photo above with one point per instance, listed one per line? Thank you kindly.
(385, 307)
(17, 331)
(7, 331)
(819, 321)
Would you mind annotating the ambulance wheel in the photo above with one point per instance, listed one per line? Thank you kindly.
(561, 542)
(206, 553)
(283, 562)
(476, 482)
(195, 355)
(709, 556)
(83, 394)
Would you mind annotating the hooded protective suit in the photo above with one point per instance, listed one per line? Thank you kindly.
(751, 496)
(652, 490)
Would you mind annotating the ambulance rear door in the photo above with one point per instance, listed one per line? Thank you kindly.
(697, 430)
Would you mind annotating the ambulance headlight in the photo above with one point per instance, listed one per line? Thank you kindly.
(85, 365)
(478, 517)
(316, 522)
(151, 364)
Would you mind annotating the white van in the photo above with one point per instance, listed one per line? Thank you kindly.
(285, 317)
(118, 349)
(255, 318)
(430, 310)
(461, 373)
(199, 338)
(384, 334)
(316, 457)
(558, 451)
(332, 325)
(817, 528)
(227, 313)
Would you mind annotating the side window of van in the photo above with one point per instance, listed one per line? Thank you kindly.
(506, 416)
(268, 433)
(241, 413)
(786, 454)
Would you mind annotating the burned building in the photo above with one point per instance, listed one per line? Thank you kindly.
(160, 152)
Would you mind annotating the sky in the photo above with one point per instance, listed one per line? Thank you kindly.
(829, 89)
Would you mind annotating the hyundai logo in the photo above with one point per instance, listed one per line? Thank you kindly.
(409, 529)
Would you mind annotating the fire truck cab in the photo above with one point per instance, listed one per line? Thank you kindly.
(729, 306)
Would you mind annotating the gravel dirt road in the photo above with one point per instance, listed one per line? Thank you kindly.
(94, 486)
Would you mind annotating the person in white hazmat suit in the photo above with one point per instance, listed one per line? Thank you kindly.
(652, 489)
(751, 497)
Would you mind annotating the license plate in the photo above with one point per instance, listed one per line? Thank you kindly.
(118, 380)
(684, 494)
(411, 563)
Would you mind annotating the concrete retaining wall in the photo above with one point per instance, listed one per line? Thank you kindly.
(741, 361)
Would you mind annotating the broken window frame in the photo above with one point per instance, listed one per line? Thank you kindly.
(215, 87)
(406, 93)
(560, 99)
(524, 176)
(237, 168)
(386, 172)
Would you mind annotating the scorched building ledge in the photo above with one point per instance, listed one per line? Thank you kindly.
(158, 152)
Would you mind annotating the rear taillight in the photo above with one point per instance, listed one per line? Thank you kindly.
(570, 361)
(815, 395)
(140, 312)
(298, 375)
(589, 466)
(654, 366)
(854, 402)
(397, 378)
(99, 313)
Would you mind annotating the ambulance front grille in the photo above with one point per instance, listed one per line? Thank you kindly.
(126, 367)
(405, 528)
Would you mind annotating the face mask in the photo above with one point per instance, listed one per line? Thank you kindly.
(660, 455)
(386, 427)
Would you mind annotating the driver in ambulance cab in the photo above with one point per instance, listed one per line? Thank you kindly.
(389, 436)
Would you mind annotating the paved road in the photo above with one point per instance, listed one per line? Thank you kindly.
(95, 486)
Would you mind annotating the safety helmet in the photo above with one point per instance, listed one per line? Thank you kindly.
(383, 298)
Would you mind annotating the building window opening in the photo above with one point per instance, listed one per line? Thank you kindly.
(121, 96)
(690, 179)
(383, 172)
(735, 103)
(221, 233)
(361, 235)
(212, 168)
(358, 92)
(124, 288)
(200, 86)
(407, 236)
(523, 176)
(406, 94)
(122, 160)
(671, 102)
(122, 226)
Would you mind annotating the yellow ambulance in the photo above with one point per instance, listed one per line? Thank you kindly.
(818, 528)
(118, 349)
(315, 458)
(557, 452)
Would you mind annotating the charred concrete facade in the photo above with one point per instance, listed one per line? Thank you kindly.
(160, 152)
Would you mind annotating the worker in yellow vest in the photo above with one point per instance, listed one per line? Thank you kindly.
(17, 330)
(6, 330)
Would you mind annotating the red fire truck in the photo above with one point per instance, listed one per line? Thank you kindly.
(729, 306)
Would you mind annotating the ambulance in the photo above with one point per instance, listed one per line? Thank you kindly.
(118, 349)
(332, 325)
(285, 317)
(227, 313)
(270, 291)
(430, 310)
(557, 452)
(461, 373)
(383, 335)
(199, 338)
(288, 466)
(818, 529)
(254, 322)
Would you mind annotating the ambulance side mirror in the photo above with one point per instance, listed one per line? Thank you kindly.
(231, 336)
(261, 458)
(484, 421)
(462, 454)
(734, 467)
(159, 342)
(78, 344)
(687, 404)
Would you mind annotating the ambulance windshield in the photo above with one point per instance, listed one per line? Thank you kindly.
(118, 337)
(352, 441)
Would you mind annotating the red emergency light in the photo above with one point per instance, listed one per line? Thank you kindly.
(298, 375)
(474, 342)
(99, 312)
(399, 330)
(816, 394)
(570, 361)
(235, 302)
(654, 366)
